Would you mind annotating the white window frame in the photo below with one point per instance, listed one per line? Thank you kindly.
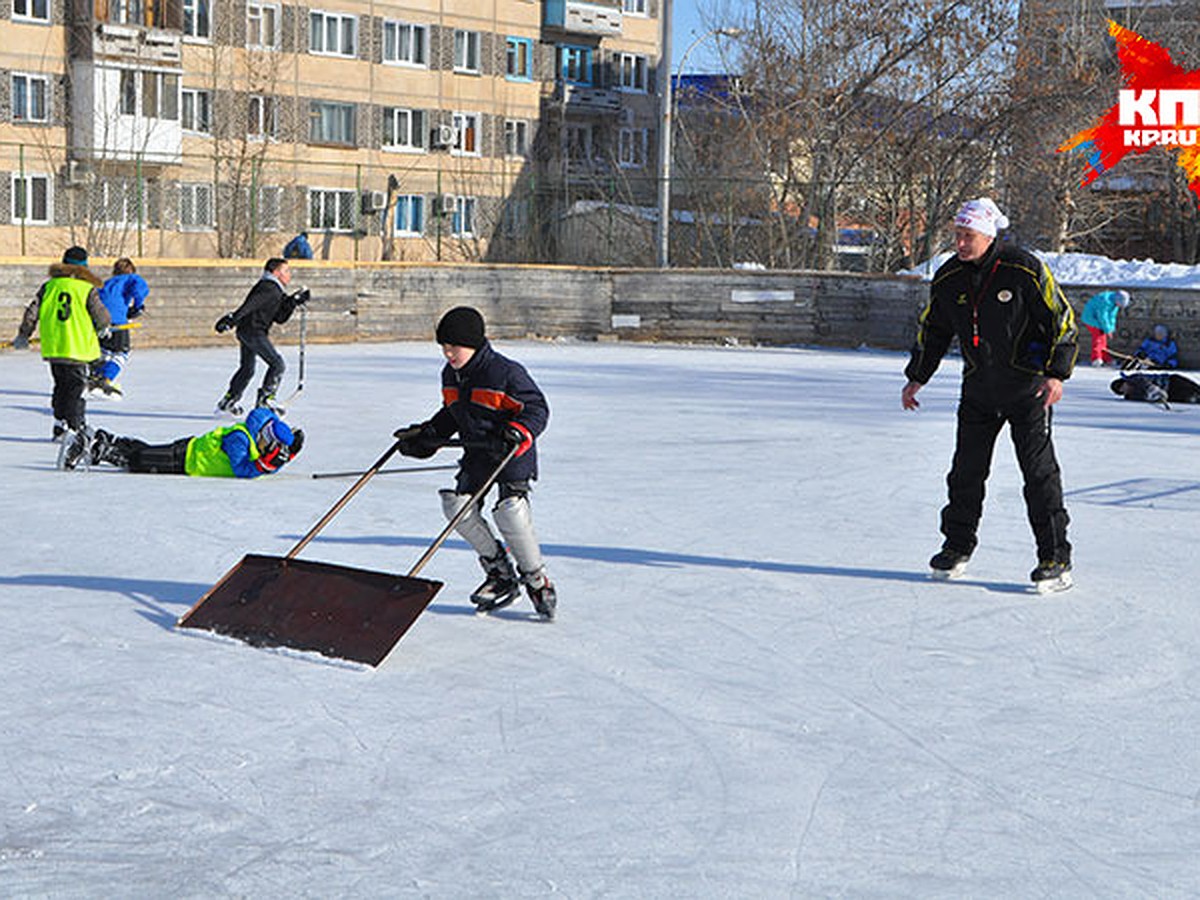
(634, 7)
(159, 90)
(407, 127)
(344, 201)
(257, 11)
(196, 98)
(274, 221)
(632, 146)
(633, 72)
(516, 138)
(316, 121)
(514, 218)
(408, 203)
(128, 197)
(416, 37)
(462, 223)
(466, 51)
(589, 141)
(30, 79)
(22, 187)
(196, 7)
(343, 26)
(31, 16)
(262, 117)
(466, 133)
(196, 206)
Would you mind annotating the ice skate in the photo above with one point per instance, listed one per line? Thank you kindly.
(947, 564)
(542, 594)
(268, 399)
(1051, 576)
(228, 404)
(501, 586)
(74, 449)
(107, 449)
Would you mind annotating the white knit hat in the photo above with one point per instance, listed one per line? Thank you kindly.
(981, 215)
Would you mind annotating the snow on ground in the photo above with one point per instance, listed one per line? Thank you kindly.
(752, 689)
(1086, 268)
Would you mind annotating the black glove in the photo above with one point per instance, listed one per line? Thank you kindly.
(134, 313)
(20, 342)
(302, 296)
(512, 434)
(224, 323)
(419, 440)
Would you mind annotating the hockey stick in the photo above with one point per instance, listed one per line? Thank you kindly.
(402, 471)
(303, 333)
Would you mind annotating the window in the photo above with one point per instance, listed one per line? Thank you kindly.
(574, 64)
(462, 224)
(516, 137)
(466, 134)
(117, 202)
(30, 96)
(634, 7)
(330, 210)
(269, 213)
(403, 129)
(577, 142)
(197, 111)
(332, 34)
(631, 72)
(518, 59)
(262, 25)
(262, 117)
(197, 20)
(128, 92)
(405, 44)
(35, 10)
(31, 199)
(160, 95)
(466, 51)
(514, 218)
(410, 214)
(195, 205)
(631, 147)
(331, 123)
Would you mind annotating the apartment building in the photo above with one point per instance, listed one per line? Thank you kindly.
(420, 129)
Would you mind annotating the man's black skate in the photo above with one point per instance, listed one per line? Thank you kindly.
(545, 598)
(500, 588)
(108, 449)
(229, 404)
(60, 428)
(267, 399)
(947, 564)
(74, 449)
(1051, 575)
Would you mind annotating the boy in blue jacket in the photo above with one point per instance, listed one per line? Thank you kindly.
(493, 404)
(124, 295)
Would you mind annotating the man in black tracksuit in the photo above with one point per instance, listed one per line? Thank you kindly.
(267, 303)
(1018, 336)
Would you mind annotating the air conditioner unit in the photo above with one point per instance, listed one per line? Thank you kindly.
(373, 202)
(74, 173)
(443, 136)
(443, 205)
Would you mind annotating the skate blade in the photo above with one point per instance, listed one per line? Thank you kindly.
(484, 608)
(1053, 585)
(958, 571)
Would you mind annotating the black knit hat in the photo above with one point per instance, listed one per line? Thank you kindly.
(75, 256)
(463, 327)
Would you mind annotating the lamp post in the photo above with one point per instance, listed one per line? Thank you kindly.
(666, 124)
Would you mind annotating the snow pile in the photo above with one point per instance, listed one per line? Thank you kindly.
(1089, 269)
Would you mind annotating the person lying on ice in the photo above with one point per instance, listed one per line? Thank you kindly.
(261, 445)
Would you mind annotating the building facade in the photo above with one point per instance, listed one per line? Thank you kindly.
(419, 130)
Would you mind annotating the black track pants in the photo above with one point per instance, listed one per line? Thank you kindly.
(980, 420)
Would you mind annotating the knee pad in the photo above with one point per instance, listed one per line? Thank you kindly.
(515, 521)
(473, 527)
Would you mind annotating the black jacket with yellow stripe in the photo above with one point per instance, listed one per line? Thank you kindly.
(1009, 314)
(479, 399)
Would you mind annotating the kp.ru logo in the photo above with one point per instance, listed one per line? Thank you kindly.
(1159, 108)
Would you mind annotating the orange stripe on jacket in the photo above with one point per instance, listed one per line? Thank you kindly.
(449, 395)
(496, 400)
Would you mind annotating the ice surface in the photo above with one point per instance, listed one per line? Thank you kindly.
(752, 688)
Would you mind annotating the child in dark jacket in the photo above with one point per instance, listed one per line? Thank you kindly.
(493, 404)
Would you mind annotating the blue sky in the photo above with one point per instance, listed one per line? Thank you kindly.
(689, 24)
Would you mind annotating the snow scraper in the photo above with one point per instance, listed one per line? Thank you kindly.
(339, 611)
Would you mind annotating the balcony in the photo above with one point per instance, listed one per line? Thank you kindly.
(576, 17)
(146, 45)
(582, 100)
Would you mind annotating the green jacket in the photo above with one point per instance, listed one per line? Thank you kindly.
(206, 453)
(68, 313)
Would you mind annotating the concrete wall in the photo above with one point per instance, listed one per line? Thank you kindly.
(394, 301)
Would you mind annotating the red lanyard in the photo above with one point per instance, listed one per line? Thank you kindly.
(975, 304)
